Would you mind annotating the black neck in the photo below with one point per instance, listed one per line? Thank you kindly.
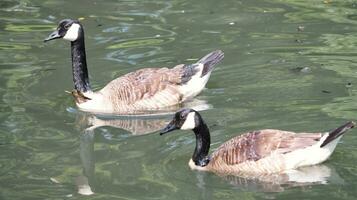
(203, 142)
(79, 64)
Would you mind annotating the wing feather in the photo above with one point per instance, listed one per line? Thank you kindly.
(256, 145)
(140, 88)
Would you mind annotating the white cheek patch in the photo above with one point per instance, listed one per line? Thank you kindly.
(189, 123)
(72, 33)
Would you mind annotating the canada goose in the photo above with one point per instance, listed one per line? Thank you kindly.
(257, 152)
(141, 90)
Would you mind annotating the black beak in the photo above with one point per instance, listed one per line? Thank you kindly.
(52, 36)
(170, 127)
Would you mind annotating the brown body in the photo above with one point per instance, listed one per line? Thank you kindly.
(150, 88)
(259, 151)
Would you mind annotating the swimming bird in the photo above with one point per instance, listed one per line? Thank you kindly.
(265, 151)
(144, 89)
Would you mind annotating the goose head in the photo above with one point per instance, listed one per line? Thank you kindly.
(189, 119)
(67, 29)
(185, 119)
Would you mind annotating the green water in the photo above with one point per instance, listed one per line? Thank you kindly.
(274, 75)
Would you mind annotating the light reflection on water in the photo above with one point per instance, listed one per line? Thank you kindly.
(258, 85)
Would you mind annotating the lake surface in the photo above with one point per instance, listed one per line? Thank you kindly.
(288, 65)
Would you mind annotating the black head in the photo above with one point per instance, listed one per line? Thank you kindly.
(185, 119)
(67, 29)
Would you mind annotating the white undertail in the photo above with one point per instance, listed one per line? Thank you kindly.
(311, 155)
(196, 84)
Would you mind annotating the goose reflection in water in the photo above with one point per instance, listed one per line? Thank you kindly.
(272, 183)
(136, 126)
(301, 177)
(139, 124)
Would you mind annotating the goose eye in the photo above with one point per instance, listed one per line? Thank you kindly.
(182, 116)
(67, 26)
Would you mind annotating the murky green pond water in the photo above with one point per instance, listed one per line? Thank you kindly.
(288, 65)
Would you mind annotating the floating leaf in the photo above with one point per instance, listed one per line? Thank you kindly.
(54, 180)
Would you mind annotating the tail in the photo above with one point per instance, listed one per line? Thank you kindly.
(338, 132)
(210, 60)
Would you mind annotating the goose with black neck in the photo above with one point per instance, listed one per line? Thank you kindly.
(265, 151)
(143, 90)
